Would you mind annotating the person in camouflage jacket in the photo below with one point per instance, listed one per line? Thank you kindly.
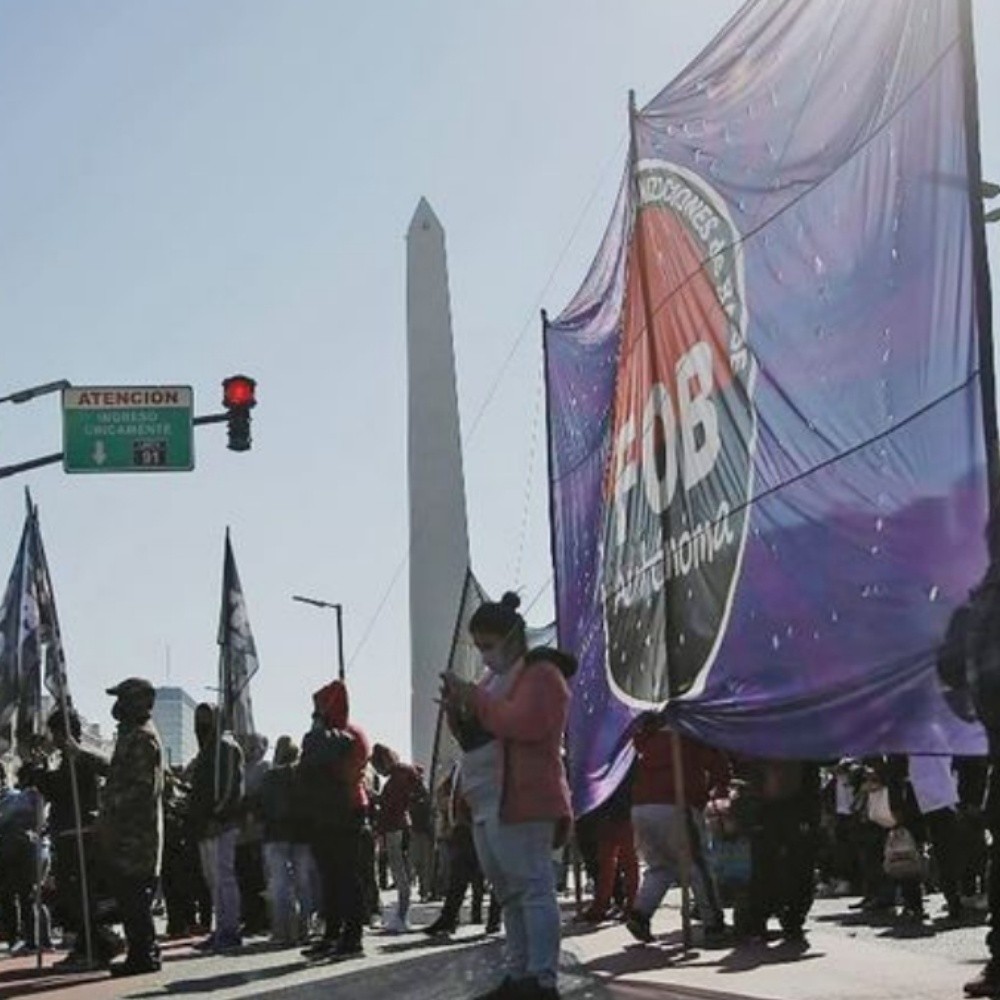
(131, 822)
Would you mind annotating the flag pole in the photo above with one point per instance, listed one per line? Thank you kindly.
(30, 565)
(676, 746)
(39, 823)
(983, 302)
(74, 782)
(222, 695)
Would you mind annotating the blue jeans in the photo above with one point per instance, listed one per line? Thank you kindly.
(218, 864)
(660, 842)
(291, 878)
(517, 860)
(399, 865)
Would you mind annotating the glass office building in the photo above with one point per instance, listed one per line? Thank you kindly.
(173, 715)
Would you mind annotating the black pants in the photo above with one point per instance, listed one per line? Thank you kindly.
(338, 855)
(878, 888)
(464, 871)
(135, 906)
(17, 894)
(782, 863)
(366, 862)
(973, 853)
(993, 877)
(943, 831)
(70, 897)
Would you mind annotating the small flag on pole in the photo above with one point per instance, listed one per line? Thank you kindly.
(15, 628)
(50, 635)
(238, 652)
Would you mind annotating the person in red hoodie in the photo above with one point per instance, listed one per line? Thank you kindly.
(657, 819)
(335, 754)
(515, 784)
(401, 787)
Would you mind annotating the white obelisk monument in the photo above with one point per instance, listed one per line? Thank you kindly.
(439, 531)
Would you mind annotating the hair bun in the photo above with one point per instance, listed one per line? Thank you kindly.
(511, 600)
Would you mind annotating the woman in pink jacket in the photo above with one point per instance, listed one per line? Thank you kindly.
(511, 726)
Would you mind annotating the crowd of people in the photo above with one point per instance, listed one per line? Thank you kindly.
(229, 847)
(302, 847)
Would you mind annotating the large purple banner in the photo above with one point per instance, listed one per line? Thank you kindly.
(769, 483)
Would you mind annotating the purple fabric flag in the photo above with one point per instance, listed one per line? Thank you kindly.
(767, 430)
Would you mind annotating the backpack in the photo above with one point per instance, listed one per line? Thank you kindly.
(903, 858)
(969, 660)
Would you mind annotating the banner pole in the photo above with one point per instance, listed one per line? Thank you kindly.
(222, 692)
(74, 784)
(676, 746)
(981, 270)
(39, 824)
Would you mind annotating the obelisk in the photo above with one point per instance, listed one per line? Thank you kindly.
(439, 531)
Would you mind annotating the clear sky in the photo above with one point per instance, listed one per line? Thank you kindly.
(191, 188)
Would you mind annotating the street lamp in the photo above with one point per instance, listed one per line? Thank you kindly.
(339, 609)
(26, 395)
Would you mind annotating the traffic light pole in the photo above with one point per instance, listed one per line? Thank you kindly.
(38, 463)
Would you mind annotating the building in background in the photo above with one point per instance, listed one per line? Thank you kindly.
(173, 715)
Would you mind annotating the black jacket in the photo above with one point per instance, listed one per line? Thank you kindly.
(323, 791)
(214, 809)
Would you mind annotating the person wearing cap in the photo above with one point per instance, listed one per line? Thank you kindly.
(130, 825)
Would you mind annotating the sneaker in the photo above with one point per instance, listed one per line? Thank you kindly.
(132, 967)
(347, 949)
(532, 989)
(441, 928)
(227, 942)
(912, 918)
(505, 990)
(319, 949)
(987, 983)
(75, 963)
(639, 926)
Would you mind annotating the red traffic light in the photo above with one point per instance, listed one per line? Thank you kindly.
(239, 392)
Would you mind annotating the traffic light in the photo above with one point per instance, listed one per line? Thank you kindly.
(239, 397)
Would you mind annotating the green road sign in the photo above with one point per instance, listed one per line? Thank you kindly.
(140, 428)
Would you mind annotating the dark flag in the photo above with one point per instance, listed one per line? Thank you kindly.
(49, 634)
(16, 615)
(238, 652)
(29, 635)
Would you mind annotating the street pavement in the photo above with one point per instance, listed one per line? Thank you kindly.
(844, 959)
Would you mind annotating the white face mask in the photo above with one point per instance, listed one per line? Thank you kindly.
(493, 659)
